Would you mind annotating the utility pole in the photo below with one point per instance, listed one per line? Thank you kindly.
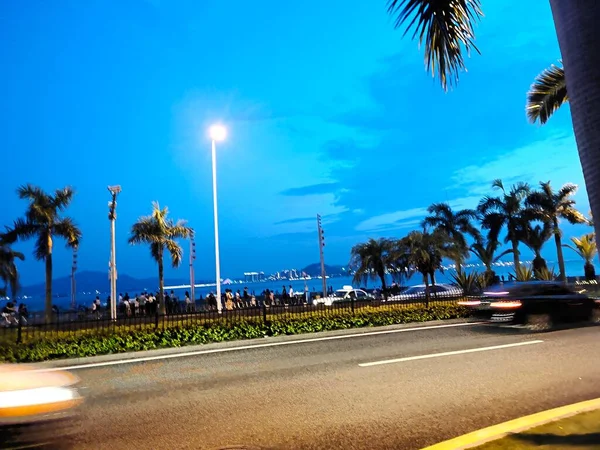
(73, 283)
(112, 216)
(192, 259)
(321, 255)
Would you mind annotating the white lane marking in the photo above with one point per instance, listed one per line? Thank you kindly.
(457, 352)
(250, 347)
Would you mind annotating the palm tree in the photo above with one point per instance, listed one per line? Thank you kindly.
(485, 251)
(446, 28)
(9, 273)
(160, 233)
(44, 221)
(454, 224)
(534, 237)
(424, 252)
(547, 94)
(370, 260)
(585, 247)
(549, 206)
(505, 211)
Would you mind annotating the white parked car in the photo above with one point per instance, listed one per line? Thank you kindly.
(437, 291)
(344, 294)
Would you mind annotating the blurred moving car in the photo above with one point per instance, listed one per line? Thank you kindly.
(37, 408)
(537, 304)
(418, 292)
(347, 293)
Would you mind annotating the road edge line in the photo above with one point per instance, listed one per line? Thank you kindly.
(501, 430)
(238, 345)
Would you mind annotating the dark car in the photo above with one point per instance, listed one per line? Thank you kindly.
(537, 304)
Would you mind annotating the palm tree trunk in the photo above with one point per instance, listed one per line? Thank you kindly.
(432, 275)
(426, 279)
(559, 252)
(161, 285)
(515, 247)
(48, 306)
(579, 39)
(383, 285)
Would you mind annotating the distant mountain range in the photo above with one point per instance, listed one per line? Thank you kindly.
(89, 281)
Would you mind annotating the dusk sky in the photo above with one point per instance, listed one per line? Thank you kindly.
(328, 109)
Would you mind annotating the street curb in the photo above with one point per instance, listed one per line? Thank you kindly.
(68, 362)
(501, 430)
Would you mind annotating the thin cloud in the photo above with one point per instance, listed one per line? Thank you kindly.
(312, 189)
(295, 220)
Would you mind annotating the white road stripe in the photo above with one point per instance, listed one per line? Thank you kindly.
(438, 355)
(250, 347)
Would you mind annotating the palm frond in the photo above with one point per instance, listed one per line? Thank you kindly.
(41, 248)
(487, 204)
(175, 251)
(573, 216)
(567, 190)
(440, 209)
(446, 27)
(520, 190)
(160, 232)
(585, 246)
(62, 198)
(547, 94)
(146, 230)
(503, 253)
(497, 184)
(66, 229)
(22, 229)
(33, 194)
(179, 230)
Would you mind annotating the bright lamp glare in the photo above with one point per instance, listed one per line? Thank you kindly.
(218, 133)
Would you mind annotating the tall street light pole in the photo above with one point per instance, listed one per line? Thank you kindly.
(192, 259)
(73, 282)
(322, 255)
(217, 133)
(112, 216)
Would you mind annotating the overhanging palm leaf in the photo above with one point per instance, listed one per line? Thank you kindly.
(547, 94)
(446, 29)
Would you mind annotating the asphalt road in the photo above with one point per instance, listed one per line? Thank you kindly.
(326, 394)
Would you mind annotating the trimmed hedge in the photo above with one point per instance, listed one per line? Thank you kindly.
(128, 341)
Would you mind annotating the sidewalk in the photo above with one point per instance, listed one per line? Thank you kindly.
(192, 350)
(575, 426)
(577, 432)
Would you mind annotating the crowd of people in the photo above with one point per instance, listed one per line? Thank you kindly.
(11, 314)
(147, 303)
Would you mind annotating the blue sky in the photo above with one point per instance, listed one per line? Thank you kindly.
(329, 111)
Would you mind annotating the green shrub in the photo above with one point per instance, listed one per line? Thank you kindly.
(70, 346)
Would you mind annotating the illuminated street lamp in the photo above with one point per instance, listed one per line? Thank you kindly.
(217, 134)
